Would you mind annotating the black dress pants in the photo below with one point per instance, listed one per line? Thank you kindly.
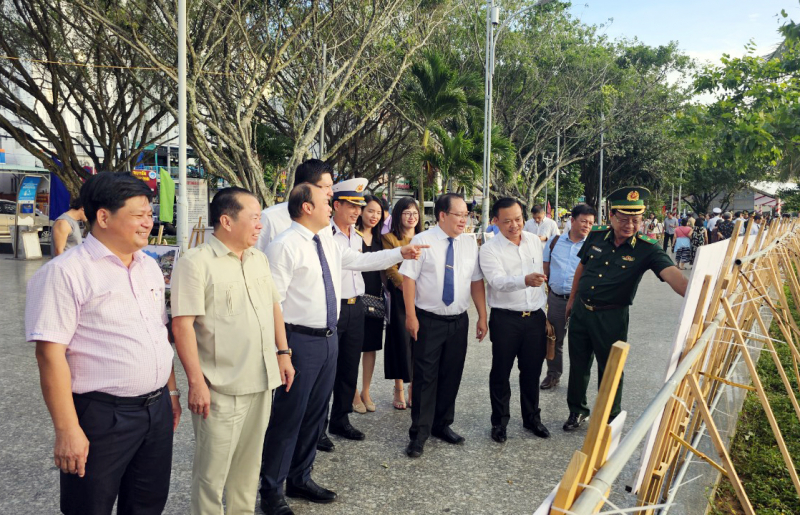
(351, 340)
(522, 338)
(130, 457)
(439, 354)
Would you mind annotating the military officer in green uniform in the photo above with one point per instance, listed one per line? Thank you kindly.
(613, 260)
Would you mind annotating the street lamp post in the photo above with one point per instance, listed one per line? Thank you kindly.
(492, 21)
(558, 172)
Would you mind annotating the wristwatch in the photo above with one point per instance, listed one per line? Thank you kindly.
(175, 393)
(288, 352)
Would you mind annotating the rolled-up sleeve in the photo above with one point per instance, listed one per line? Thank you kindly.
(52, 306)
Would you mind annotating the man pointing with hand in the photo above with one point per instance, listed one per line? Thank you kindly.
(511, 262)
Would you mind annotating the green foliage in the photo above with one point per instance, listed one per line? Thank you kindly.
(754, 452)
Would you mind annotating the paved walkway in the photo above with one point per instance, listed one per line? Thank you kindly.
(370, 477)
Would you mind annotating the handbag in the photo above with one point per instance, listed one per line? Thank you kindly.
(374, 306)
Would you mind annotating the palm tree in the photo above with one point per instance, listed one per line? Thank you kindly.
(454, 159)
(434, 94)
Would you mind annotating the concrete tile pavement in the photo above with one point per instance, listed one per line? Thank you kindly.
(373, 476)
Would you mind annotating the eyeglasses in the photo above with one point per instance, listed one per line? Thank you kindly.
(410, 214)
(462, 216)
(629, 221)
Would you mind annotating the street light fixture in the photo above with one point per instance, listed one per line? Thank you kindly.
(492, 21)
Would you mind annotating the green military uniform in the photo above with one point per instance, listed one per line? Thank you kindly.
(606, 288)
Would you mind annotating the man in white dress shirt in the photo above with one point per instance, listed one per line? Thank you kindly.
(348, 199)
(540, 225)
(436, 291)
(307, 269)
(275, 219)
(511, 262)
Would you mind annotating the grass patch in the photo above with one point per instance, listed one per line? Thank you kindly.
(755, 452)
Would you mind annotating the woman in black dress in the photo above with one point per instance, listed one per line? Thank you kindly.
(397, 359)
(369, 225)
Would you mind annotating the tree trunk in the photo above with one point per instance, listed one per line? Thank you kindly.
(423, 176)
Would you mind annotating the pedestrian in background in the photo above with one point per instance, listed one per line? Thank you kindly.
(66, 232)
(98, 317)
(227, 323)
(683, 244)
(725, 227)
(540, 224)
(369, 225)
(670, 224)
(398, 360)
(699, 236)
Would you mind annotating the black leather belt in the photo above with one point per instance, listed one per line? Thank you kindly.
(140, 400)
(522, 314)
(443, 318)
(605, 307)
(351, 301)
(309, 331)
(554, 294)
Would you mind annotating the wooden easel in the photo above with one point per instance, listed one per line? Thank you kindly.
(596, 444)
(158, 240)
(750, 280)
(198, 235)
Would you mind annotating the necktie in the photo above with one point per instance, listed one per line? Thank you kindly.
(449, 284)
(330, 294)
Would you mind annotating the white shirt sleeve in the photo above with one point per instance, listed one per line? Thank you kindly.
(281, 263)
(411, 268)
(369, 261)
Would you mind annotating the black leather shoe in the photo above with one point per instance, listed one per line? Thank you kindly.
(275, 505)
(414, 449)
(347, 431)
(499, 434)
(549, 382)
(574, 422)
(311, 492)
(448, 435)
(324, 443)
(538, 428)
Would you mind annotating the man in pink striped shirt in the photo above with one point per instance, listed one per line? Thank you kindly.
(97, 315)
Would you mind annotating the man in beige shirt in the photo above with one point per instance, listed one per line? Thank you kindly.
(227, 323)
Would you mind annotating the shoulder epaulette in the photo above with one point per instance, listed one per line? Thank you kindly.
(600, 228)
(647, 239)
(358, 232)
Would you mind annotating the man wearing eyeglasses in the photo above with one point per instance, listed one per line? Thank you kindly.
(613, 261)
(436, 291)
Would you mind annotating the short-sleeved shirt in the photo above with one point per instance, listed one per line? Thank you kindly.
(428, 271)
(233, 303)
(564, 260)
(505, 264)
(547, 228)
(611, 274)
(111, 317)
(725, 228)
(670, 224)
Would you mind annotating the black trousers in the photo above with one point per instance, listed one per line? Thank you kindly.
(350, 329)
(130, 457)
(439, 354)
(668, 240)
(524, 339)
(298, 416)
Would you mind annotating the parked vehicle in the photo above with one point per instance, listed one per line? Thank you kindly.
(8, 209)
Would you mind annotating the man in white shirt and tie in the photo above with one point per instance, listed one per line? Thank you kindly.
(436, 291)
(540, 225)
(275, 219)
(348, 199)
(511, 262)
(299, 257)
